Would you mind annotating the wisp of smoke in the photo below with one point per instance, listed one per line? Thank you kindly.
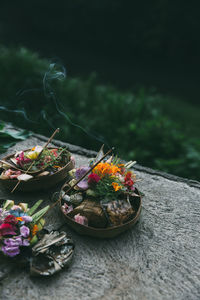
(17, 111)
(58, 72)
(44, 116)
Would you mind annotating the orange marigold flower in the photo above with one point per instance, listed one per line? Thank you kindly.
(19, 219)
(103, 169)
(34, 230)
(120, 165)
(33, 149)
(116, 186)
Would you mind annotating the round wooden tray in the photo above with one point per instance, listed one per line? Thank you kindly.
(40, 183)
(108, 232)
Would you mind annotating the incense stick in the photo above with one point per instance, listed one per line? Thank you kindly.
(71, 187)
(47, 143)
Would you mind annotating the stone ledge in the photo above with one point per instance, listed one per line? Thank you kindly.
(158, 259)
(90, 153)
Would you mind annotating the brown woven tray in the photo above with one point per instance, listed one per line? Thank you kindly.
(108, 232)
(40, 183)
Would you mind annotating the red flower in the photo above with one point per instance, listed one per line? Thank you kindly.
(11, 220)
(93, 178)
(54, 152)
(128, 175)
(7, 229)
(128, 181)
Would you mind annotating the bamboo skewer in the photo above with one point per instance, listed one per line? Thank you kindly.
(80, 179)
(47, 143)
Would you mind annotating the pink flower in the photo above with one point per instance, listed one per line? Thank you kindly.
(10, 219)
(16, 207)
(67, 208)
(93, 178)
(7, 229)
(81, 219)
(21, 159)
(12, 174)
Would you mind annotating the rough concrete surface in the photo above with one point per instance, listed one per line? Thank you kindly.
(158, 259)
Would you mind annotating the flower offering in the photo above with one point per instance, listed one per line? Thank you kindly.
(25, 165)
(35, 169)
(104, 198)
(19, 226)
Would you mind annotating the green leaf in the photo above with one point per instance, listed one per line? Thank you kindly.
(34, 207)
(8, 204)
(8, 137)
(38, 215)
(40, 224)
(33, 240)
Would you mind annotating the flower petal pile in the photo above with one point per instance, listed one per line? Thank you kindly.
(18, 226)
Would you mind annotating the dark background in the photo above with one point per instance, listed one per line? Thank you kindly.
(146, 57)
(128, 43)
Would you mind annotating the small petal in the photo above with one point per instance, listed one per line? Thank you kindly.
(83, 184)
(10, 251)
(25, 231)
(81, 219)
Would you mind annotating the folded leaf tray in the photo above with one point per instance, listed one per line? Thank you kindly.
(38, 183)
(107, 232)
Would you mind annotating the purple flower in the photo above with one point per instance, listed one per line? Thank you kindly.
(25, 242)
(24, 231)
(13, 242)
(11, 247)
(83, 184)
(81, 171)
(27, 219)
(10, 251)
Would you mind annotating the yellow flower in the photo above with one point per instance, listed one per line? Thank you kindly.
(32, 154)
(116, 186)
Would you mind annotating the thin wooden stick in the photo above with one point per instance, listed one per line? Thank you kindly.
(47, 143)
(71, 187)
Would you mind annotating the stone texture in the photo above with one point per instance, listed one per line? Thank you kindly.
(158, 259)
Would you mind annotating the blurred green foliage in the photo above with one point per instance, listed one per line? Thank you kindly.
(9, 137)
(134, 123)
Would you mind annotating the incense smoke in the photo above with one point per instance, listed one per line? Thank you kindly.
(45, 97)
(52, 74)
(21, 112)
